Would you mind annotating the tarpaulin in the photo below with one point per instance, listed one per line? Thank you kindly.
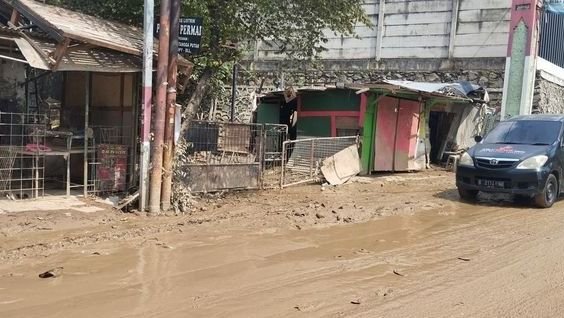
(554, 6)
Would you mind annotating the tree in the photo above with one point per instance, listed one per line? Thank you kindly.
(296, 28)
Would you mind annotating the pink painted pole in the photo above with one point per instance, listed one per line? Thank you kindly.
(147, 101)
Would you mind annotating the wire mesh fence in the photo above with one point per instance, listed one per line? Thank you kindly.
(111, 161)
(22, 155)
(304, 158)
(274, 137)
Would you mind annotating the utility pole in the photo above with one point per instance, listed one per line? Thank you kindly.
(160, 114)
(171, 106)
(147, 104)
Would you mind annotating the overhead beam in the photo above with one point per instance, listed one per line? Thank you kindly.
(15, 18)
(33, 44)
(38, 20)
(60, 51)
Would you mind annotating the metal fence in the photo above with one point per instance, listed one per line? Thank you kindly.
(220, 156)
(551, 38)
(304, 158)
(111, 161)
(22, 155)
(274, 137)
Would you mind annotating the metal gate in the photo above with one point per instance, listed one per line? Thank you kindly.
(222, 156)
(22, 155)
(273, 140)
(303, 158)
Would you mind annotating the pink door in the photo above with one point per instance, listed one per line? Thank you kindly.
(386, 121)
(406, 135)
(397, 127)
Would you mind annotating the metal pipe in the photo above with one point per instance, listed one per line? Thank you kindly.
(233, 93)
(147, 104)
(166, 194)
(160, 113)
(88, 88)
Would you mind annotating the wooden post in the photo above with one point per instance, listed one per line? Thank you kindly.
(166, 194)
(160, 116)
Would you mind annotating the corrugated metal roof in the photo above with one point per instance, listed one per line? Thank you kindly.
(460, 91)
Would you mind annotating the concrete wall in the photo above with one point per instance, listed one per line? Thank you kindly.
(11, 93)
(421, 29)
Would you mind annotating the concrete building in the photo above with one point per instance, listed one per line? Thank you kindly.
(492, 43)
(432, 41)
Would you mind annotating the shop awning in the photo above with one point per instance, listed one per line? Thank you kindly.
(36, 50)
(89, 43)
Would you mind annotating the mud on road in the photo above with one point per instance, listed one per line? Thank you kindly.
(391, 246)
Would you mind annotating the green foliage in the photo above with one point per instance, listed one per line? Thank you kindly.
(294, 27)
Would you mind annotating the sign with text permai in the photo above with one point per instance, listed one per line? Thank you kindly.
(189, 34)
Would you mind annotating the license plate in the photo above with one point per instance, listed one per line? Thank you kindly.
(491, 183)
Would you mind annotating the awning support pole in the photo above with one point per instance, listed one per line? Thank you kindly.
(86, 128)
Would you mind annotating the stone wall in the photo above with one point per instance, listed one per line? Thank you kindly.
(549, 96)
(490, 79)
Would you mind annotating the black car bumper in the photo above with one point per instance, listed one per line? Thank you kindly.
(523, 182)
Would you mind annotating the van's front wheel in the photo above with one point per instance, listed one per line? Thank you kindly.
(467, 195)
(550, 193)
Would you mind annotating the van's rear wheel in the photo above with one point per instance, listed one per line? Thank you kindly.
(550, 193)
(467, 195)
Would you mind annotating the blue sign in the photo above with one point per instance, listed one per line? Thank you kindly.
(554, 6)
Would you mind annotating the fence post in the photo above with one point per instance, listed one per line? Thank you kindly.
(261, 155)
(311, 158)
(284, 145)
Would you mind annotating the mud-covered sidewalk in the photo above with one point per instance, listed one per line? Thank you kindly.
(390, 246)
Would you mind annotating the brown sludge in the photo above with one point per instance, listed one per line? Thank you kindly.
(244, 257)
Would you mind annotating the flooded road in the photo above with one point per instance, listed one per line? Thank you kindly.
(494, 259)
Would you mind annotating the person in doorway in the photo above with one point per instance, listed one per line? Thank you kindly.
(289, 116)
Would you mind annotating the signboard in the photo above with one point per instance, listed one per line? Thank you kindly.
(554, 6)
(189, 34)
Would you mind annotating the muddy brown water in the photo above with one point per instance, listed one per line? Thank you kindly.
(492, 259)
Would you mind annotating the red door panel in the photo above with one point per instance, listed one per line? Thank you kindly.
(406, 134)
(385, 134)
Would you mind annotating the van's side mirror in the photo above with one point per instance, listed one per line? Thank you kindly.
(478, 139)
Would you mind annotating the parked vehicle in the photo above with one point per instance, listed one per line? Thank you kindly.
(523, 156)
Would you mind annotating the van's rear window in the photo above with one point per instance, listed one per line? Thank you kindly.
(528, 132)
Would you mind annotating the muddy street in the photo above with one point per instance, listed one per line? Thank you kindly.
(400, 246)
